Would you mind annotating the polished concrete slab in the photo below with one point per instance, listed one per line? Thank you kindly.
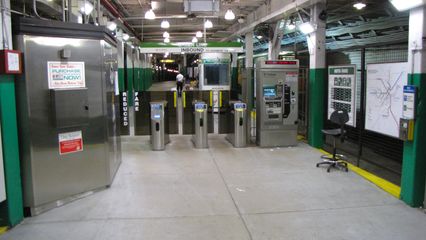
(227, 193)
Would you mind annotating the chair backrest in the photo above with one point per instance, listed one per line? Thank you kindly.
(339, 117)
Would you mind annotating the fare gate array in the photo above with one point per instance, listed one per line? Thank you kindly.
(197, 109)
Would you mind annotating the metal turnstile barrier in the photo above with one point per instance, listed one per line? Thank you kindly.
(159, 127)
(200, 127)
(237, 126)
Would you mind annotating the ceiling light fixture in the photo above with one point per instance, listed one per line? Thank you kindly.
(194, 39)
(111, 26)
(359, 5)
(165, 24)
(126, 36)
(166, 35)
(150, 14)
(229, 15)
(199, 34)
(87, 8)
(241, 19)
(166, 40)
(402, 5)
(259, 37)
(291, 25)
(208, 24)
(306, 28)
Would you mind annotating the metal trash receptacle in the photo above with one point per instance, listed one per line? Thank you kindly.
(200, 123)
(237, 135)
(159, 135)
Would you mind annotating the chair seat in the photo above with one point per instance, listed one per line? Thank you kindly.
(332, 132)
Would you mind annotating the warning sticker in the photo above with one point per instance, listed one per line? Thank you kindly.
(70, 142)
(66, 75)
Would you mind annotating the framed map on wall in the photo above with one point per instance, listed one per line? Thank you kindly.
(384, 95)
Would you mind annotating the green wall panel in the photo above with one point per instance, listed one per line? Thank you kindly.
(13, 214)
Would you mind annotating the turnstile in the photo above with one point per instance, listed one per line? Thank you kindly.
(200, 124)
(237, 126)
(159, 133)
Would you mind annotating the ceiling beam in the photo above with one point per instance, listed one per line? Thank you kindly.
(272, 10)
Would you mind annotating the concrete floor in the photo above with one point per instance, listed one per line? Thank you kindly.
(225, 193)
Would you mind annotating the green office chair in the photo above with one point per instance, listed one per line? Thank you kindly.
(336, 160)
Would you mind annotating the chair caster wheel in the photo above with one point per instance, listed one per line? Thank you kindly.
(317, 165)
(328, 170)
(346, 170)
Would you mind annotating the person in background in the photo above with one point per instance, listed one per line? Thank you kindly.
(179, 84)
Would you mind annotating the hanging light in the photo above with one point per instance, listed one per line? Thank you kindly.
(307, 28)
(111, 26)
(87, 8)
(166, 35)
(208, 24)
(291, 25)
(165, 24)
(229, 15)
(359, 5)
(194, 39)
(126, 36)
(166, 40)
(199, 34)
(150, 14)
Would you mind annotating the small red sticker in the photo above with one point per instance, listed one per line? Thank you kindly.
(70, 142)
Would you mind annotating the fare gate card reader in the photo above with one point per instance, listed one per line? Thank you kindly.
(406, 123)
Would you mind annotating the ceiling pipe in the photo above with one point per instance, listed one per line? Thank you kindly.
(113, 10)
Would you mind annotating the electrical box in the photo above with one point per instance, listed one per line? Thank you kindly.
(406, 123)
(70, 107)
(11, 62)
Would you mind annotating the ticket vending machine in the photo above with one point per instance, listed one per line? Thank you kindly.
(276, 103)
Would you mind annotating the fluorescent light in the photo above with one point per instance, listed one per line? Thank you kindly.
(165, 24)
(208, 24)
(199, 34)
(166, 35)
(306, 28)
(150, 14)
(194, 40)
(167, 40)
(111, 26)
(229, 15)
(359, 5)
(126, 36)
(402, 5)
(87, 8)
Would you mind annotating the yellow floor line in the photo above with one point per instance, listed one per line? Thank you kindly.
(3, 230)
(387, 186)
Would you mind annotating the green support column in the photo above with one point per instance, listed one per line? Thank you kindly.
(414, 158)
(121, 84)
(317, 81)
(317, 76)
(12, 169)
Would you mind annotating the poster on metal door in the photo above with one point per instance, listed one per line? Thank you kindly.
(342, 91)
(70, 142)
(62, 75)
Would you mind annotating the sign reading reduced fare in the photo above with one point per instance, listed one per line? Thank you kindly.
(66, 75)
(70, 142)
